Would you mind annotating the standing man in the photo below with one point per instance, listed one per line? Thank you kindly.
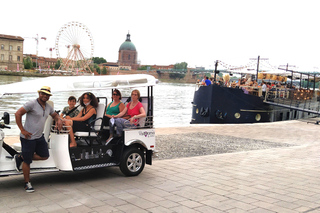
(264, 89)
(33, 143)
(207, 81)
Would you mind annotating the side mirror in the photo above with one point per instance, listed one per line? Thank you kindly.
(6, 118)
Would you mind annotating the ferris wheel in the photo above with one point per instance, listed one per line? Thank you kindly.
(74, 45)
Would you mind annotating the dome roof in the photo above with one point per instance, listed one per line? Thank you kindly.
(127, 45)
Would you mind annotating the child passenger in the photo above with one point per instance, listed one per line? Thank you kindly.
(70, 110)
(81, 122)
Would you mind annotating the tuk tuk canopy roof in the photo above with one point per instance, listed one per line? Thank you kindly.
(79, 83)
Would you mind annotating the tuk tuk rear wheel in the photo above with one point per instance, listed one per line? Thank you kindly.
(132, 162)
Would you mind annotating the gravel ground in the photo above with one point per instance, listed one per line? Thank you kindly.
(198, 144)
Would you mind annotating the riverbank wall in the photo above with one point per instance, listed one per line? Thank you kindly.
(187, 77)
(162, 76)
(26, 73)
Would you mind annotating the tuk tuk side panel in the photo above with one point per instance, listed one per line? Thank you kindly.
(91, 157)
(60, 151)
(6, 164)
(43, 164)
(1, 150)
(144, 136)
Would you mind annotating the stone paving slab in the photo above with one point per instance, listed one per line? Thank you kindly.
(285, 179)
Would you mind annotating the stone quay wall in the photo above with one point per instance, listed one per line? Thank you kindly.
(162, 76)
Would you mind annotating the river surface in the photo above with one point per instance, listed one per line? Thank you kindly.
(172, 102)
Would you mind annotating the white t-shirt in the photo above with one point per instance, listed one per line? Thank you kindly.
(264, 87)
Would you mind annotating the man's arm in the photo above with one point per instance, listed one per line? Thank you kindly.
(18, 116)
(57, 119)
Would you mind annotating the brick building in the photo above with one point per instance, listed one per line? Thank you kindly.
(11, 52)
(162, 67)
(43, 62)
(109, 65)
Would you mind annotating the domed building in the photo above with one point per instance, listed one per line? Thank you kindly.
(128, 54)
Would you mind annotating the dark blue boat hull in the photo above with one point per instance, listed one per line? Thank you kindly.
(215, 104)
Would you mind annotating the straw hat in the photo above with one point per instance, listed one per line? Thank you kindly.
(46, 90)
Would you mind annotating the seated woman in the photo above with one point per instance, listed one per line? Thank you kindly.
(89, 102)
(114, 108)
(134, 110)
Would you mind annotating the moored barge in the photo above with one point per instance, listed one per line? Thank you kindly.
(218, 103)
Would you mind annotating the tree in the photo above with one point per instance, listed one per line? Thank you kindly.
(98, 60)
(177, 75)
(97, 68)
(181, 66)
(58, 64)
(144, 67)
(27, 63)
(104, 71)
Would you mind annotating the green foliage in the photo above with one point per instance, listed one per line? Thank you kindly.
(27, 63)
(181, 66)
(144, 67)
(57, 65)
(34, 64)
(98, 70)
(104, 71)
(98, 60)
(177, 75)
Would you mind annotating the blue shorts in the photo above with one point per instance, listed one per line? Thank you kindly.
(29, 147)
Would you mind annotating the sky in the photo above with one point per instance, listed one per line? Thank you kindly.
(172, 31)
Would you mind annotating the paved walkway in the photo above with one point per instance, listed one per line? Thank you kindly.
(283, 179)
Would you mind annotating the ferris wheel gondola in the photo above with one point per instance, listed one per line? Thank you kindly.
(74, 45)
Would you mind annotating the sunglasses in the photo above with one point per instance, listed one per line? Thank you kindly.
(42, 93)
(115, 94)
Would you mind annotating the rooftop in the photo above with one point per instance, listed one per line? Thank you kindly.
(11, 37)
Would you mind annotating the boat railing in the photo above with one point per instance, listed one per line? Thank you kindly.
(291, 97)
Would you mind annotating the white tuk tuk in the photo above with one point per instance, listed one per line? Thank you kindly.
(130, 152)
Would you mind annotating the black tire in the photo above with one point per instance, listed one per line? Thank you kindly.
(132, 162)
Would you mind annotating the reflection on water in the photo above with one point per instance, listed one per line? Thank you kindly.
(172, 102)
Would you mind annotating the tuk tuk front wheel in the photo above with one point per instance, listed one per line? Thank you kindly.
(132, 162)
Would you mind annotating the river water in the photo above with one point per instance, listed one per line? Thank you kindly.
(172, 102)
